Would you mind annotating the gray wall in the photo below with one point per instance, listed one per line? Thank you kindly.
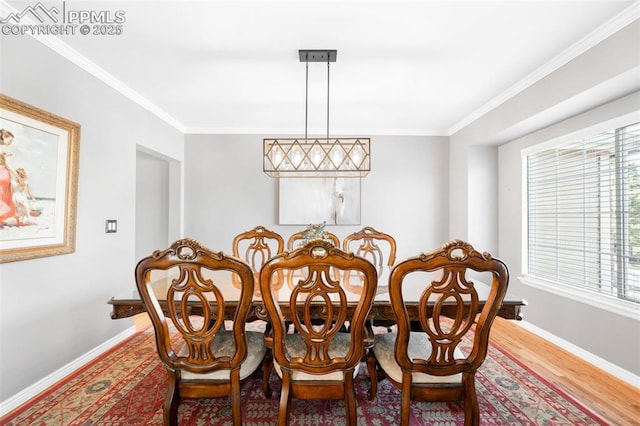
(595, 86)
(405, 194)
(54, 309)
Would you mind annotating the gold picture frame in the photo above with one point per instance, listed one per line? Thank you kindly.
(39, 165)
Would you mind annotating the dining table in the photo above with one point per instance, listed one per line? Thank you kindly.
(129, 304)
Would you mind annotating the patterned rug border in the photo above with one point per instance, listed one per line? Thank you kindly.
(40, 396)
(586, 410)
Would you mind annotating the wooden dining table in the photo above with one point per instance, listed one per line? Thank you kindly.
(130, 304)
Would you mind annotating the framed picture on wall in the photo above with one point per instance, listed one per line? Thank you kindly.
(304, 201)
(39, 154)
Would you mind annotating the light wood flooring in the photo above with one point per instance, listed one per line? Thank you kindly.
(614, 400)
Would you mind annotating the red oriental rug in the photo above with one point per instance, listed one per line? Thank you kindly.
(126, 386)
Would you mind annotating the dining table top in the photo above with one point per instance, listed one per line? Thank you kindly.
(130, 303)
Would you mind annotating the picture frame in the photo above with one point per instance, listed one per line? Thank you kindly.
(39, 165)
(330, 200)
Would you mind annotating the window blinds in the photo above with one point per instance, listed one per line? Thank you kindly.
(583, 213)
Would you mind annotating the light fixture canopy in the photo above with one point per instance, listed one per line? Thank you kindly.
(317, 157)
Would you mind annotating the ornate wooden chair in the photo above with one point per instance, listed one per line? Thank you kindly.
(255, 247)
(206, 361)
(378, 247)
(317, 361)
(431, 364)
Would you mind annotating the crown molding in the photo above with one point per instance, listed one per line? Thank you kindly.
(313, 133)
(606, 30)
(92, 68)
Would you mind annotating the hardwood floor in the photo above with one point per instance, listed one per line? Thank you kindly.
(611, 398)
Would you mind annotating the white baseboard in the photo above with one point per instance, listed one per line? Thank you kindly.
(602, 364)
(23, 396)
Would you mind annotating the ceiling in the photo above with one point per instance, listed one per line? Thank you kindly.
(416, 68)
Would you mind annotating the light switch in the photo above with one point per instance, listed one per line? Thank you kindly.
(111, 226)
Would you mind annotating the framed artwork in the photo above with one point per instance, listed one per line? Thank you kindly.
(303, 201)
(39, 154)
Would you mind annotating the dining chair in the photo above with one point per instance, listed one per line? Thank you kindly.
(317, 361)
(439, 362)
(378, 247)
(205, 361)
(255, 247)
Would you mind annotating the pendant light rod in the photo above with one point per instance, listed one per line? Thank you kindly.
(318, 55)
(306, 100)
(328, 98)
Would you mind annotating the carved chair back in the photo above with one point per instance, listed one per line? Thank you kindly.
(317, 360)
(433, 346)
(175, 282)
(257, 245)
(376, 246)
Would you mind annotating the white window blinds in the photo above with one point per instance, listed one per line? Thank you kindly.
(583, 213)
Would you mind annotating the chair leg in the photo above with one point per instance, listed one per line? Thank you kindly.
(405, 405)
(171, 401)
(236, 407)
(373, 375)
(350, 399)
(267, 367)
(471, 408)
(285, 399)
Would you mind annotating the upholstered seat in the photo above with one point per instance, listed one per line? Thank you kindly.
(419, 348)
(224, 345)
(296, 348)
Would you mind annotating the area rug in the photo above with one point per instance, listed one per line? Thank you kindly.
(126, 386)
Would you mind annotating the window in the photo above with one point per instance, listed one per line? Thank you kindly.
(583, 213)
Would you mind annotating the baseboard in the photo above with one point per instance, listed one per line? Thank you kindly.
(601, 363)
(25, 395)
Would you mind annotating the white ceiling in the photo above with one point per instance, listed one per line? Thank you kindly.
(420, 67)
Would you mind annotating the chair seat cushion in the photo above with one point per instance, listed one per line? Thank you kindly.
(419, 347)
(223, 345)
(297, 348)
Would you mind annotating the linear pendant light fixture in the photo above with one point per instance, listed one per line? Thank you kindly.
(317, 157)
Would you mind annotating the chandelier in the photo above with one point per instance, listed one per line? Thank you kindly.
(317, 157)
